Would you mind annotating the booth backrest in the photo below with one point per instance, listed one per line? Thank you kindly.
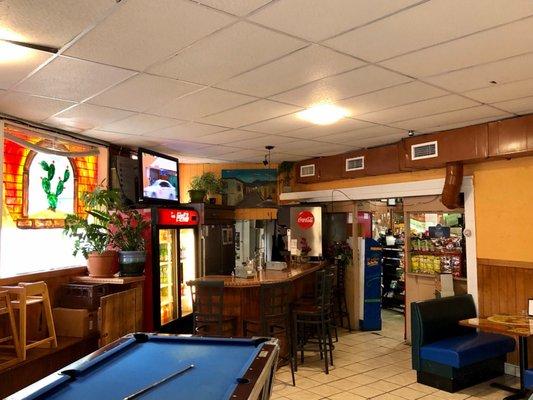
(437, 319)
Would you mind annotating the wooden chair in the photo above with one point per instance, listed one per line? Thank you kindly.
(30, 294)
(6, 309)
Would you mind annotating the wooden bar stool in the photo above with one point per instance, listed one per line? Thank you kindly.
(30, 294)
(208, 309)
(6, 309)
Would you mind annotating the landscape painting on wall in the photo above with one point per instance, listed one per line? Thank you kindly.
(246, 188)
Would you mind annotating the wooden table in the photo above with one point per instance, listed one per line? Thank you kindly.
(512, 325)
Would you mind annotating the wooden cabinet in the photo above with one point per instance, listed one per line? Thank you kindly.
(382, 160)
(511, 136)
(463, 144)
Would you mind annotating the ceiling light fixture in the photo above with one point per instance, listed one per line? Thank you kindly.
(323, 114)
(13, 50)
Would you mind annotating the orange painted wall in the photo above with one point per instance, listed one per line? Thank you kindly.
(503, 202)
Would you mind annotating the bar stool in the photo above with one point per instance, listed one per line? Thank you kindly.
(208, 309)
(309, 319)
(31, 294)
(340, 297)
(274, 317)
(6, 309)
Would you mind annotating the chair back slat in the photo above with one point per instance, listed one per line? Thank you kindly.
(207, 303)
(34, 288)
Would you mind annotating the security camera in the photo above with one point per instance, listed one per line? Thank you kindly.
(411, 132)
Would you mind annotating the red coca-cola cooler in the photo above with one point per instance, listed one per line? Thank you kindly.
(305, 231)
(172, 261)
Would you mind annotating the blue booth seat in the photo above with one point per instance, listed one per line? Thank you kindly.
(449, 356)
(528, 379)
(461, 351)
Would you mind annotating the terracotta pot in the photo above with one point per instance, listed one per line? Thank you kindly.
(102, 265)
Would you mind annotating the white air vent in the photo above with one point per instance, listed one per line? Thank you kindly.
(355, 164)
(424, 150)
(307, 170)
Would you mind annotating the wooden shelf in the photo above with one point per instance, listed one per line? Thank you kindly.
(119, 280)
(435, 253)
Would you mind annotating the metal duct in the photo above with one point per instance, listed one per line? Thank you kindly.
(452, 185)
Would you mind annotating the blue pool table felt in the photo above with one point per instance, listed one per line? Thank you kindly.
(217, 365)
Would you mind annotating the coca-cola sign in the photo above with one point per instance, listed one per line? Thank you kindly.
(175, 217)
(305, 219)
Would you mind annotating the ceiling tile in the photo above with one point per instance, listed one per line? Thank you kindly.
(317, 19)
(354, 137)
(420, 109)
(315, 131)
(453, 117)
(436, 21)
(483, 47)
(480, 76)
(303, 66)
(311, 148)
(242, 154)
(49, 22)
(140, 123)
(249, 113)
(71, 79)
(517, 106)
(181, 146)
(32, 108)
(259, 143)
(201, 103)
(379, 140)
(229, 52)
(13, 71)
(455, 125)
(142, 92)
(341, 86)
(235, 7)
(391, 97)
(217, 150)
(228, 137)
(86, 116)
(140, 33)
(279, 124)
(107, 136)
(185, 132)
(137, 141)
(502, 92)
(278, 157)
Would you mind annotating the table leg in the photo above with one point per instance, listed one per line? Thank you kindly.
(521, 393)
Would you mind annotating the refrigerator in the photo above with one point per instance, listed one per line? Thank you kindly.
(218, 249)
(172, 261)
(370, 292)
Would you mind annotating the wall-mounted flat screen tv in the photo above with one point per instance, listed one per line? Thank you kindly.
(159, 177)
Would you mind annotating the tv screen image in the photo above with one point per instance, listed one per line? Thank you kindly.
(159, 176)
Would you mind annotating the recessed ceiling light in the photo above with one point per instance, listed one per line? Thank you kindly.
(10, 52)
(323, 114)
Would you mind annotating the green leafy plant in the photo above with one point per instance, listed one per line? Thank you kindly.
(207, 182)
(92, 232)
(285, 172)
(127, 230)
(46, 183)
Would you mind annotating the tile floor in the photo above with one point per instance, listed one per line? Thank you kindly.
(370, 366)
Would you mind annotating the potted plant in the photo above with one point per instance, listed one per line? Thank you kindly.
(285, 175)
(92, 232)
(207, 183)
(127, 229)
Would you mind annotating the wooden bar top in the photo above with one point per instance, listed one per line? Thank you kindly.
(291, 273)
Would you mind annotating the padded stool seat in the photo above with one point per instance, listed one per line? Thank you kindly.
(528, 379)
(461, 351)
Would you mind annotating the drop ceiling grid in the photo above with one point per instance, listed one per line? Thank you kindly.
(326, 43)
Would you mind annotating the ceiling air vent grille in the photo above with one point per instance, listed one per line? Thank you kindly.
(424, 150)
(307, 170)
(355, 164)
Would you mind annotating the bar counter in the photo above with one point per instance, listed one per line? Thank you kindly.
(292, 273)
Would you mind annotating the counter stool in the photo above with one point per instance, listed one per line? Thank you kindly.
(208, 308)
(340, 297)
(6, 309)
(315, 318)
(274, 317)
(23, 296)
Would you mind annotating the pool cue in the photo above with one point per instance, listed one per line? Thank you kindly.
(153, 385)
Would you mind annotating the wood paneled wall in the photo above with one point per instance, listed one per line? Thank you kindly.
(504, 288)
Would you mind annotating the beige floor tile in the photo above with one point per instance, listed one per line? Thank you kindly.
(346, 396)
(408, 393)
(344, 384)
(367, 391)
(387, 396)
(325, 390)
(362, 379)
(305, 395)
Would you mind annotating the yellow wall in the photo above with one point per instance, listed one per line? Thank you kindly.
(503, 202)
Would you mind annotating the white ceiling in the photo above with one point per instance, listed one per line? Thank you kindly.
(221, 79)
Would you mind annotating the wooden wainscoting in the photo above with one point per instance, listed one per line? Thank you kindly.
(504, 288)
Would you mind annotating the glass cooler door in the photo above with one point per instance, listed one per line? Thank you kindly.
(167, 275)
(187, 268)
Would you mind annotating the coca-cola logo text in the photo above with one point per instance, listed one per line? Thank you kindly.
(305, 219)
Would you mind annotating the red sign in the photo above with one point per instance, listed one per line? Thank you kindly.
(170, 216)
(305, 219)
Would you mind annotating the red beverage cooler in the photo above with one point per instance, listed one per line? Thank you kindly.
(172, 261)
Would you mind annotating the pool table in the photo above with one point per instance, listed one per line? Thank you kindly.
(180, 366)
